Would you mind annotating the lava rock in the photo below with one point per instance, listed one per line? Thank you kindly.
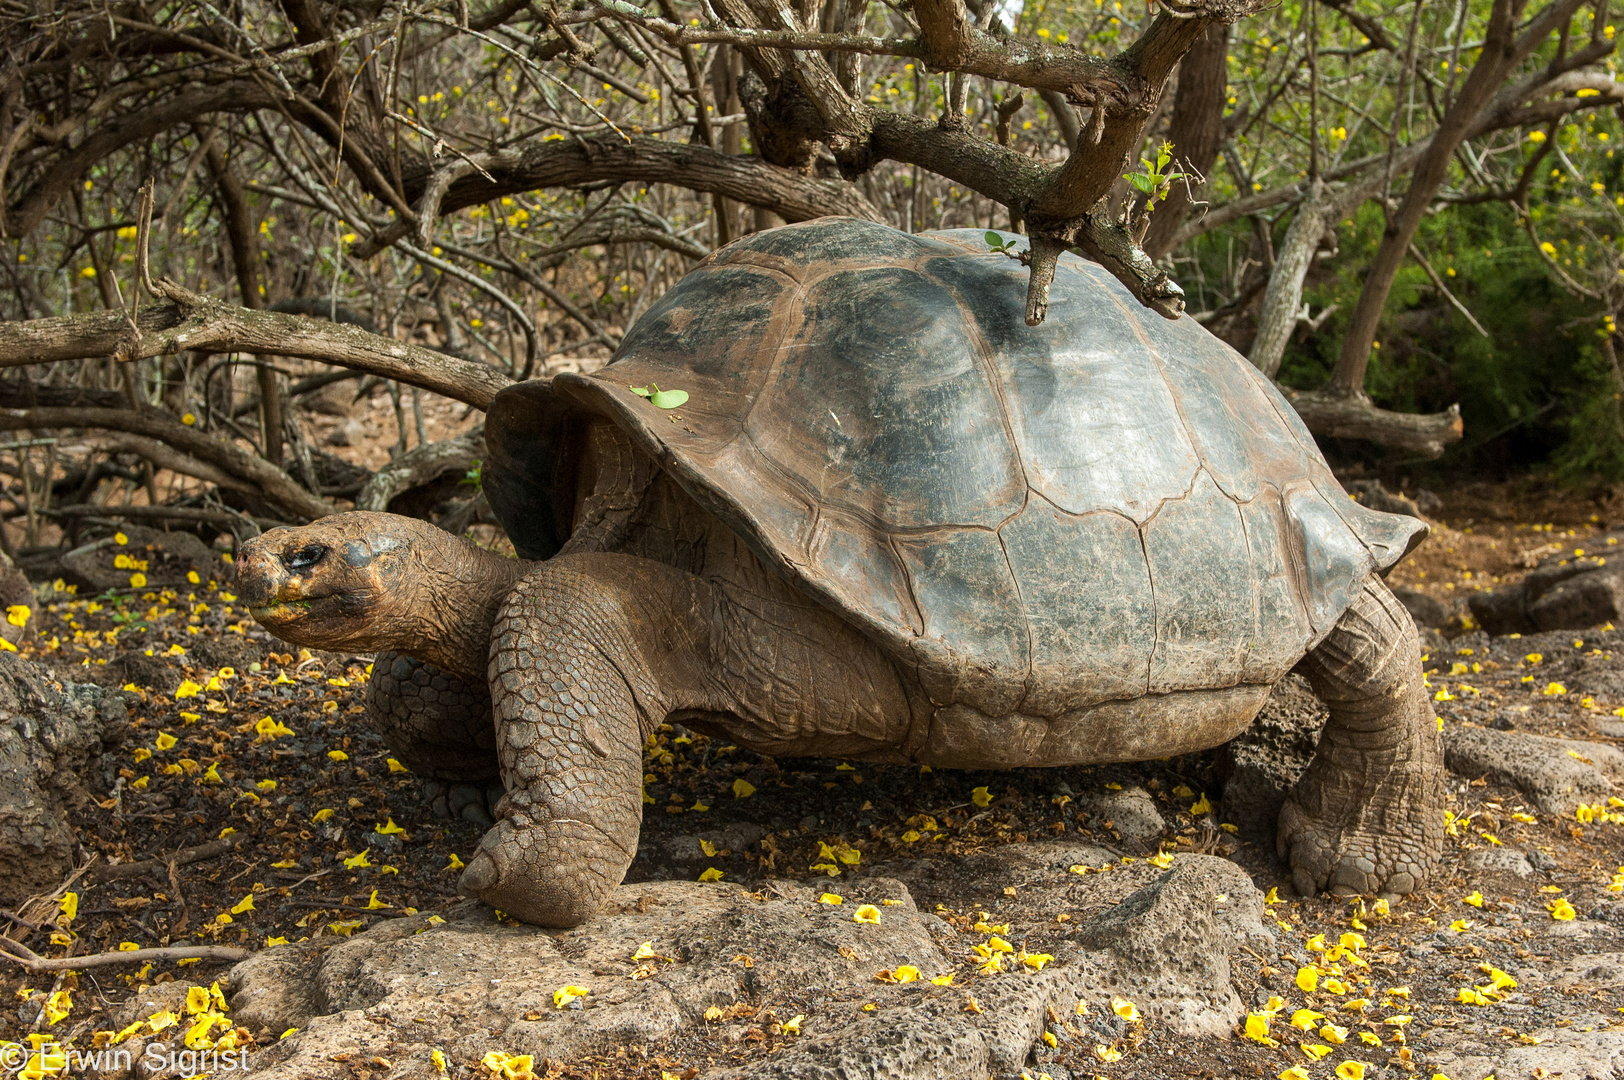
(1426, 610)
(471, 984)
(52, 740)
(1547, 770)
(1261, 764)
(1131, 812)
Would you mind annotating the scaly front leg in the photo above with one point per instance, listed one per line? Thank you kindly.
(583, 655)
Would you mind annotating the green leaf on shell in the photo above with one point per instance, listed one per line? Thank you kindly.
(668, 399)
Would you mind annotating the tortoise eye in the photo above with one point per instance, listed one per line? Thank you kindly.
(306, 556)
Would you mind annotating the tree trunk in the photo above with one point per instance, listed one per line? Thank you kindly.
(1278, 318)
(1196, 130)
(245, 259)
(1494, 63)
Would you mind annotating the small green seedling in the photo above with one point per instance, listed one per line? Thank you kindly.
(1154, 181)
(998, 243)
(475, 474)
(661, 399)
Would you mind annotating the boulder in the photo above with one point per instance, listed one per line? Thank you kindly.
(1261, 764)
(1131, 812)
(731, 967)
(52, 738)
(1565, 592)
(1427, 611)
(1557, 774)
(169, 557)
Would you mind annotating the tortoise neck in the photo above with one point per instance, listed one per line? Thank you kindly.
(462, 588)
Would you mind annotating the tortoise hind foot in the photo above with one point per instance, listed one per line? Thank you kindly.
(1367, 816)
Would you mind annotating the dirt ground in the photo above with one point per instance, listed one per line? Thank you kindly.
(236, 736)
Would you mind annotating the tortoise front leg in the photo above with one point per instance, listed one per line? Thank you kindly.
(1368, 815)
(585, 652)
(437, 723)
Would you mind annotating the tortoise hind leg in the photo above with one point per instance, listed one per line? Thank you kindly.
(1367, 816)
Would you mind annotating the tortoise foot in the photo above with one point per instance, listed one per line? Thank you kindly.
(548, 873)
(1367, 818)
(1348, 858)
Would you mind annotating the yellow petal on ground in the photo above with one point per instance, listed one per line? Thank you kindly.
(243, 905)
(389, 828)
(644, 951)
(713, 874)
(1257, 1028)
(1314, 1050)
(1036, 961)
(1305, 1019)
(1334, 1035)
(1107, 1054)
(1351, 1070)
(395, 766)
(1201, 806)
(743, 789)
(1125, 1009)
(867, 913)
(1307, 979)
(831, 898)
(981, 797)
(566, 994)
(792, 1026)
(17, 615)
(69, 905)
(337, 755)
(197, 1000)
(1476, 899)
(1296, 1072)
(905, 973)
(355, 862)
(323, 815)
(1562, 911)
(456, 863)
(1161, 861)
(943, 980)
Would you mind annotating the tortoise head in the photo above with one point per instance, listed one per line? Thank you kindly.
(346, 582)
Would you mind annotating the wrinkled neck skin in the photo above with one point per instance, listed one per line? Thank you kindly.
(458, 589)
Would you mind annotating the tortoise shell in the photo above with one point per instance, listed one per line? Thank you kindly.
(1034, 519)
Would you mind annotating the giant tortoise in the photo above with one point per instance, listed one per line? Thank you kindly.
(891, 523)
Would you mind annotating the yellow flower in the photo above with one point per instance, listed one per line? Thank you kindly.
(373, 903)
(1555, 689)
(980, 797)
(1536, 136)
(140, 754)
(743, 789)
(1562, 911)
(1350, 1070)
(187, 689)
(1460, 926)
(17, 615)
(1307, 979)
(1305, 1019)
(324, 814)
(1257, 1028)
(1161, 861)
(1296, 1072)
(395, 766)
(867, 913)
(355, 862)
(1476, 899)
(792, 1026)
(138, 580)
(1036, 961)
(566, 994)
(1126, 1009)
(1107, 1054)
(337, 755)
(389, 828)
(1201, 806)
(713, 874)
(831, 898)
(456, 863)
(245, 904)
(1314, 1050)
(1334, 1035)
(905, 973)
(164, 741)
(943, 980)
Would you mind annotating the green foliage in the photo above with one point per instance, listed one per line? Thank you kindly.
(1155, 180)
(661, 399)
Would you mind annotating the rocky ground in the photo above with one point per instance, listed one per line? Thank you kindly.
(1124, 921)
